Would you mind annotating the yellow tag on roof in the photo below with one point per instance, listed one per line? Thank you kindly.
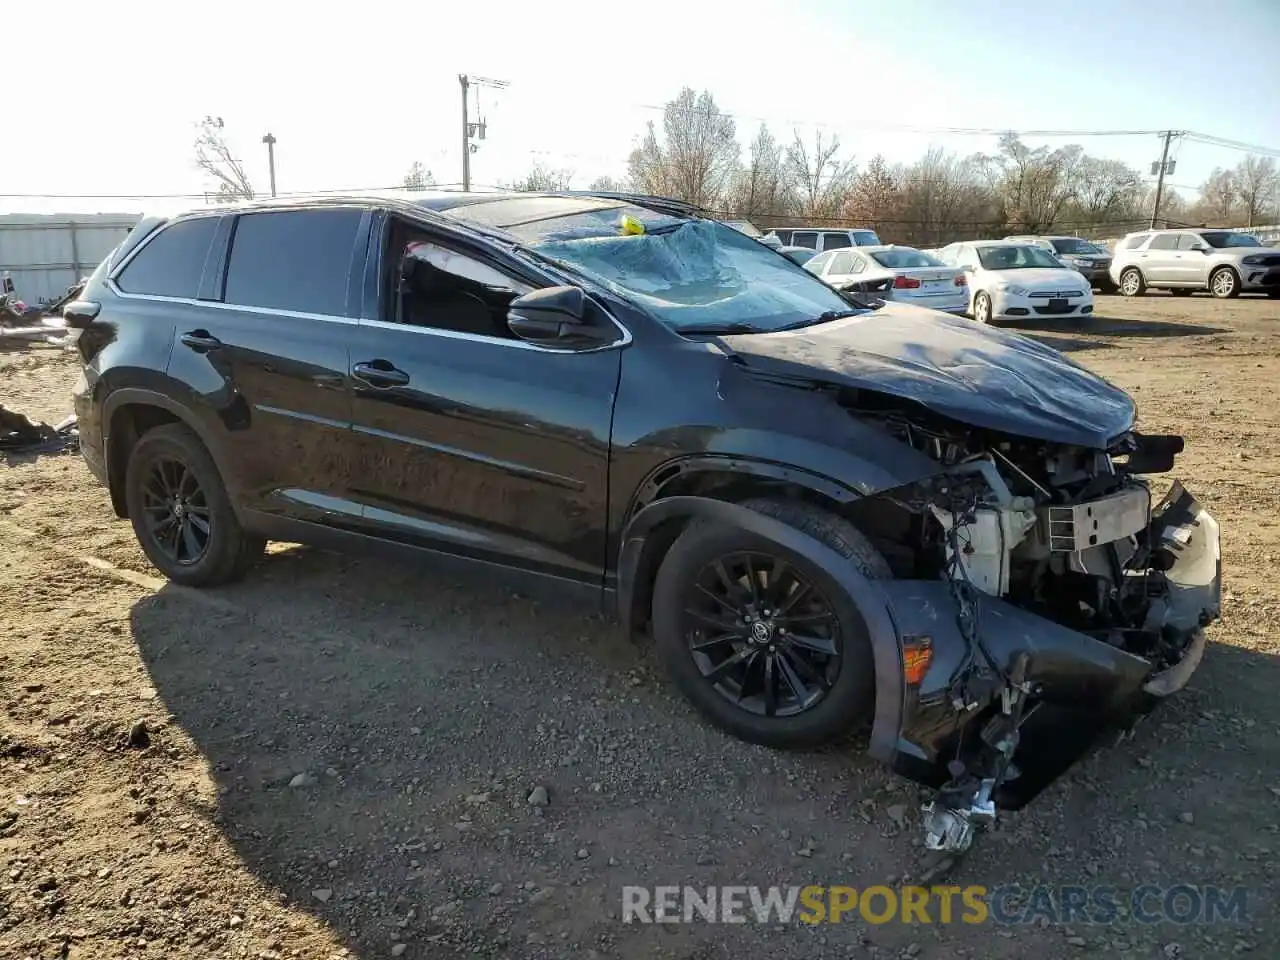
(630, 226)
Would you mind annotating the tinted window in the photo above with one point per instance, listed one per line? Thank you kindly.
(784, 236)
(1164, 241)
(171, 264)
(295, 260)
(866, 238)
(802, 238)
(834, 241)
(1229, 239)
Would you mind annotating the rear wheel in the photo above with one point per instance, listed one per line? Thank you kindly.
(180, 511)
(763, 642)
(1224, 283)
(1131, 283)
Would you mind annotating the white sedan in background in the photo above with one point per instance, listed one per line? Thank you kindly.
(1017, 280)
(902, 274)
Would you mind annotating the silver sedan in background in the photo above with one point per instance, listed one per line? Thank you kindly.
(903, 274)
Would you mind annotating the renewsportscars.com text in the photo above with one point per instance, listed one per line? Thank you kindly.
(814, 904)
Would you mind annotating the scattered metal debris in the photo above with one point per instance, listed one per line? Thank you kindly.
(19, 434)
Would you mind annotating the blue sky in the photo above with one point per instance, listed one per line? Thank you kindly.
(355, 92)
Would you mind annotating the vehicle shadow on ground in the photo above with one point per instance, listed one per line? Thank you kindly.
(375, 734)
(1071, 336)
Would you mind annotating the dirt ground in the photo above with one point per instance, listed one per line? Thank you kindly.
(337, 754)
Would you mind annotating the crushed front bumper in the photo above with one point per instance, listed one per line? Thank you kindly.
(1077, 685)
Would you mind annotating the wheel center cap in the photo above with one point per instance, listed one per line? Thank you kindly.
(179, 509)
(762, 631)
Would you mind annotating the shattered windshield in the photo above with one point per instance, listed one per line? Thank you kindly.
(687, 273)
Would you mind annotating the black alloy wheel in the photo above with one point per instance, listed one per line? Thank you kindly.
(181, 512)
(762, 634)
(177, 514)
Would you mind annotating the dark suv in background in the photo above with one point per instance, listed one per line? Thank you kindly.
(827, 510)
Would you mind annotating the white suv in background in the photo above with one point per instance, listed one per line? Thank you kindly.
(816, 238)
(1224, 262)
(1018, 281)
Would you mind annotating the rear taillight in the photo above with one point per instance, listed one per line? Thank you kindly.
(905, 283)
(961, 281)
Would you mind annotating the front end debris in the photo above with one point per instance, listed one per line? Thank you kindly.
(1053, 601)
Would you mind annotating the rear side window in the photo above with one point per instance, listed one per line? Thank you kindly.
(170, 264)
(805, 238)
(1132, 243)
(842, 262)
(834, 241)
(293, 260)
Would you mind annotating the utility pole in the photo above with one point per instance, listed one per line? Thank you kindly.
(466, 136)
(1165, 167)
(470, 129)
(270, 141)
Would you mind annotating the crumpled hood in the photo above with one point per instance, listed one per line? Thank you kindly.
(975, 374)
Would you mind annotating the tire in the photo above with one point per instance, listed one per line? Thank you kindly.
(170, 470)
(1181, 292)
(982, 307)
(849, 697)
(1132, 283)
(1224, 283)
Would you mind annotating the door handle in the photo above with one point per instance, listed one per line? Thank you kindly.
(379, 373)
(201, 341)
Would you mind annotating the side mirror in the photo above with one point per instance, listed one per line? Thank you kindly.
(555, 315)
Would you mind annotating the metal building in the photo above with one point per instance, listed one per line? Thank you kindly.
(46, 253)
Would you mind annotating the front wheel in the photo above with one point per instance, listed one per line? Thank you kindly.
(982, 307)
(180, 511)
(764, 643)
(1224, 284)
(1131, 283)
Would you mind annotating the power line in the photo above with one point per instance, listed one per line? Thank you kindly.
(1240, 145)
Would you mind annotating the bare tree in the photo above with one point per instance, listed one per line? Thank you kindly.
(214, 157)
(945, 198)
(1257, 181)
(1033, 185)
(418, 177)
(1106, 192)
(819, 177)
(607, 184)
(875, 193)
(760, 188)
(1218, 199)
(544, 180)
(697, 155)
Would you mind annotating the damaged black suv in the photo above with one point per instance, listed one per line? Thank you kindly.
(828, 511)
